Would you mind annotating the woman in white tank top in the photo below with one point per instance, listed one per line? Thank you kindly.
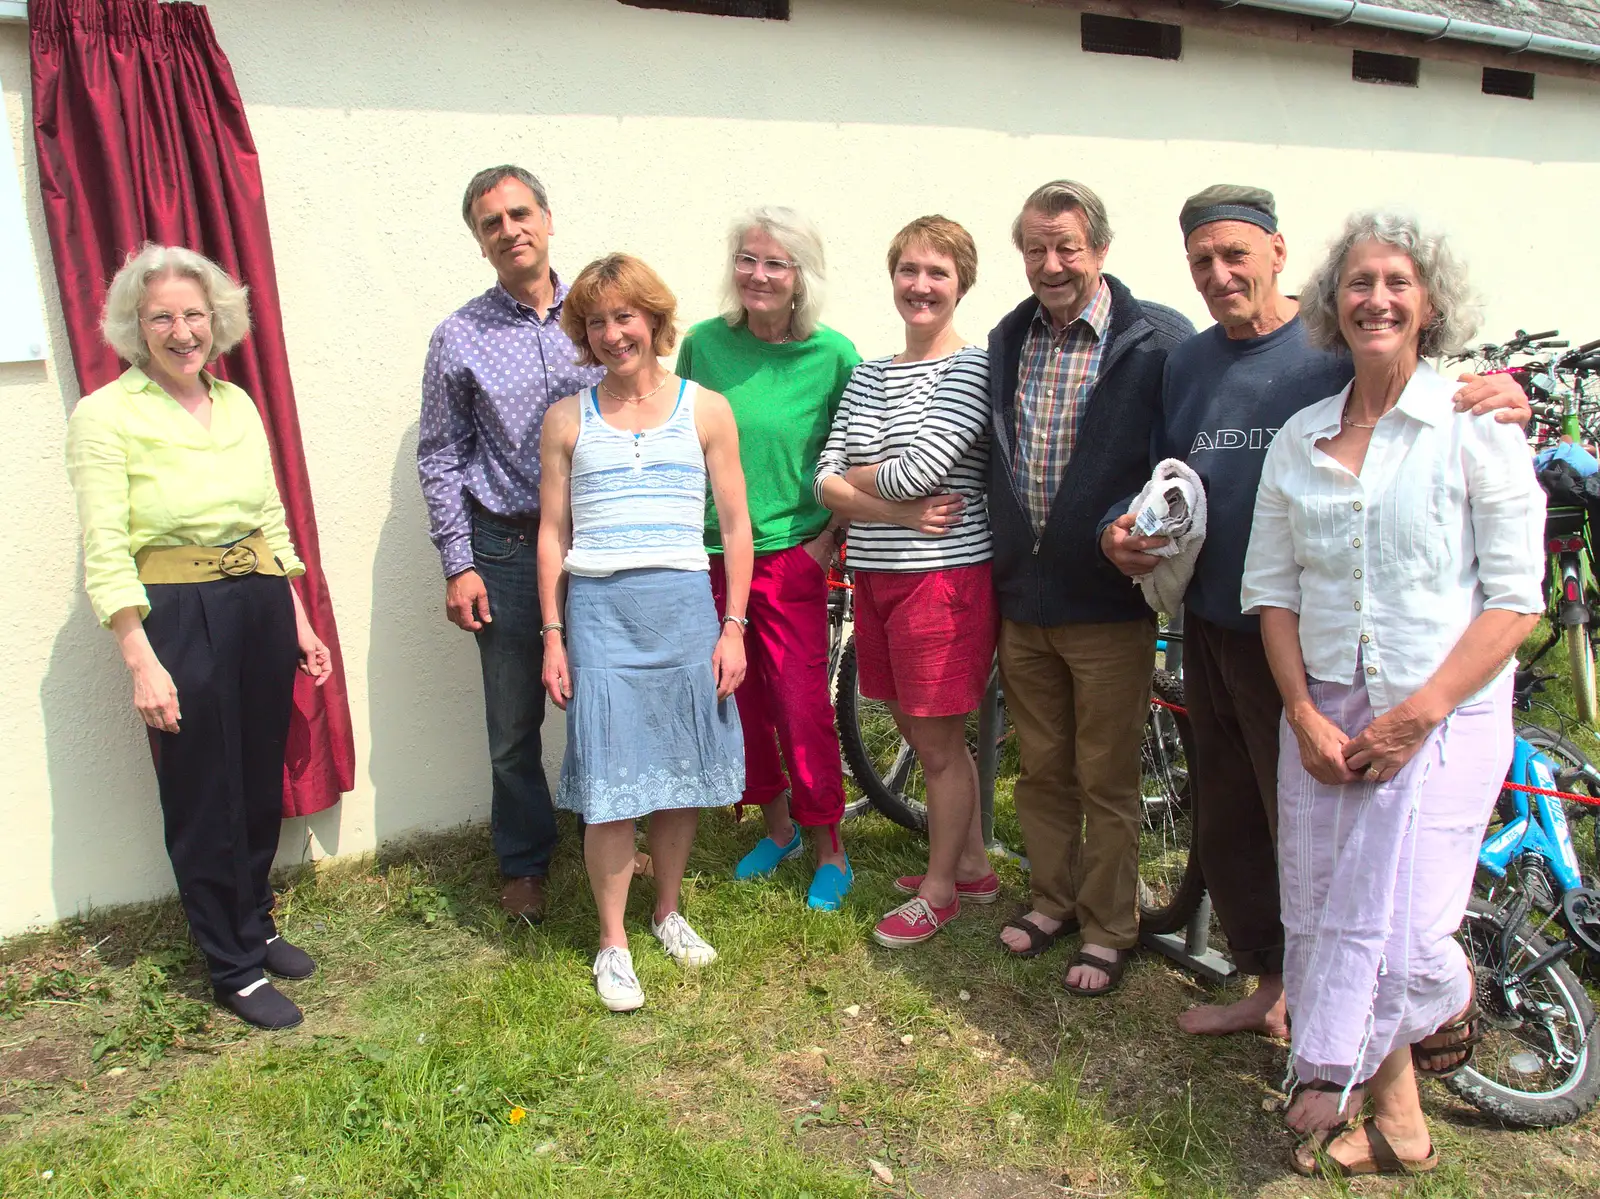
(633, 649)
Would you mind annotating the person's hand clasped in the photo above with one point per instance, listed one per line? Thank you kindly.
(1127, 550)
(156, 697)
(556, 675)
(1498, 393)
(1381, 749)
(727, 660)
(315, 659)
(1322, 748)
(934, 515)
(466, 601)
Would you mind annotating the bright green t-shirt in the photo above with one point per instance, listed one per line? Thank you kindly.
(783, 398)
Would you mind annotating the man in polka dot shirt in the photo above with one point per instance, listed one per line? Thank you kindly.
(494, 366)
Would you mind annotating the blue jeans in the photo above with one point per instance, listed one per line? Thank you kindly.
(522, 819)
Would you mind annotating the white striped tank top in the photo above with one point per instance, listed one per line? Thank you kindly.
(638, 499)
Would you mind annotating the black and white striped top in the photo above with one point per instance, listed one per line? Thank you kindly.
(927, 424)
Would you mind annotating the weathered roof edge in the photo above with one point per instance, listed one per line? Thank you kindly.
(1293, 27)
(1430, 26)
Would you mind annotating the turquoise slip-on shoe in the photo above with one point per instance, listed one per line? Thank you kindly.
(829, 886)
(765, 857)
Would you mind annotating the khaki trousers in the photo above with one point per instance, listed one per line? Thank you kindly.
(1078, 695)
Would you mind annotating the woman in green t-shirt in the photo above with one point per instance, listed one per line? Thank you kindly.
(783, 373)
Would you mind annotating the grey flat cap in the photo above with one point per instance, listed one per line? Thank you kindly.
(1229, 202)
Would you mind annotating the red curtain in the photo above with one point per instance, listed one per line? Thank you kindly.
(142, 137)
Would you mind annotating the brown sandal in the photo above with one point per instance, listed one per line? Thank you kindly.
(1038, 940)
(1113, 968)
(1312, 1159)
(1425, 1057)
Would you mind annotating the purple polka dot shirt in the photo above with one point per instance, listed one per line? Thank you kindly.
(494, 366)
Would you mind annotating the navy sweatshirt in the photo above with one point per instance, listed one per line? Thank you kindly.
(1222, 401)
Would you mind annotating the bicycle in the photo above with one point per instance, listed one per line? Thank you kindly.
(1535, 1066)
(885, 768)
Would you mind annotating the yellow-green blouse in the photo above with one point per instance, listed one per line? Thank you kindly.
(146, 472)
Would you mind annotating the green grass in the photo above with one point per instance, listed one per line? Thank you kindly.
(804, 1053)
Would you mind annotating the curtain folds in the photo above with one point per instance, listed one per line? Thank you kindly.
(142, 136)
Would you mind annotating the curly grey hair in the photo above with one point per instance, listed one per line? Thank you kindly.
(227, 299)
(1455, 313)
(802, 241)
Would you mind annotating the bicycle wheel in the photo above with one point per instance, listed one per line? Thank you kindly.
(1580, 660)
(1574, 772)
(877, 756)
(1170, 882)
(853, 807)
(1534, 1067)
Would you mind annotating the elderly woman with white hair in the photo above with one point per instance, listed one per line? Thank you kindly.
(783, 372)
(187, 561)
(1395, 561)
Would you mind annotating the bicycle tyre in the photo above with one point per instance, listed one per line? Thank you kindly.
(1170, 879)
(1512, 1043)
(879, 760)
(852, 807)
(1580, 661)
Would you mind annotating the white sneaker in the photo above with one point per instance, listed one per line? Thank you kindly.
(682, 943)
(615, 980)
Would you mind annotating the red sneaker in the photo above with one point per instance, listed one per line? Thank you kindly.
(979, 890)
(913, 922)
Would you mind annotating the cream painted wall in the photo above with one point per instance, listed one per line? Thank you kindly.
(650, 129)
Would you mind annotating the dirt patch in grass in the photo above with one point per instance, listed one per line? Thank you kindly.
(1005, 1184)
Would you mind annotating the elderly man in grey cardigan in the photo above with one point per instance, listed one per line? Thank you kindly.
(1075, 386)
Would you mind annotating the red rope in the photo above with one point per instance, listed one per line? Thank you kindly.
(1575, 798)
(1161, 703)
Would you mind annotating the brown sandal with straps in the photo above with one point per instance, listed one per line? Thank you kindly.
(1312, 1159)
(1456, 1050)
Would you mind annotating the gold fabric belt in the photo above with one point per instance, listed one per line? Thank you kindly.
(207, 563)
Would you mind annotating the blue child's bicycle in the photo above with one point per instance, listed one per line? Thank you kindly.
(1536, 1065)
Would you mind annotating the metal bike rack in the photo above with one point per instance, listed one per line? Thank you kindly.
(1192, 949)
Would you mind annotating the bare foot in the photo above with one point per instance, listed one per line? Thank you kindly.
(1262, 1011)
(1316, 1111)
(1016, 940)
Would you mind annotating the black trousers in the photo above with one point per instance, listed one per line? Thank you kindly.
(231, 649)
(1234, 708)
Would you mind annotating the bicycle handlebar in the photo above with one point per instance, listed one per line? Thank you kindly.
(1587, 346)
(1523, 338)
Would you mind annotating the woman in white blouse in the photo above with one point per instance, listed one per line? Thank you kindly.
(1395, 560)
(905, 463)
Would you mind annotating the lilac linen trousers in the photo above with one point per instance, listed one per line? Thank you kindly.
(1375, 878)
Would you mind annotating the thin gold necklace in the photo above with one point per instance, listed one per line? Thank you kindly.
(635, 399)
(1345, 418)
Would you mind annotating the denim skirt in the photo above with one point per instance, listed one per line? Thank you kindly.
(645, 730)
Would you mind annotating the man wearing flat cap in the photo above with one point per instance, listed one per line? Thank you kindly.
(1226, 392)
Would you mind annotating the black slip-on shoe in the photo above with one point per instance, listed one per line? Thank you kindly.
(265, 1007)
(288, 961)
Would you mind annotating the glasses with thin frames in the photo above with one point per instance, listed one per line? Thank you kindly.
(166, 322)
(745, 264)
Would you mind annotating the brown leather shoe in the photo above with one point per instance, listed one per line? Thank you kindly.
(524, 897)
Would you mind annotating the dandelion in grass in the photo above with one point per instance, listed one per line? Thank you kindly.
(517, 1115)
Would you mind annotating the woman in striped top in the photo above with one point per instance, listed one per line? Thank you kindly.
(905, 462)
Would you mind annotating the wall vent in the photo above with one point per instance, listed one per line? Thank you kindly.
(1497, 81)
(766, 10)
(1369, 67)
(1122, 35)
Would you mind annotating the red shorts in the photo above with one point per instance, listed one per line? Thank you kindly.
(925, 639)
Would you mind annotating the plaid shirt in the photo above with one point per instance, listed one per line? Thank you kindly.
(1054, 377)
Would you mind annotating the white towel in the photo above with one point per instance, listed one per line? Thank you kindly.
(1173, 505)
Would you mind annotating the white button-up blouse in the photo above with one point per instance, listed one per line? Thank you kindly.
(1389, 567)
